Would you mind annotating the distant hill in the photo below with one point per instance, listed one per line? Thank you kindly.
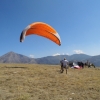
(95, 60)
(12, 57)
(79, 57)
(51, 59)
(56, 59)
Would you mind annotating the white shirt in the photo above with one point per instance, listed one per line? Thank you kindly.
(65, 62)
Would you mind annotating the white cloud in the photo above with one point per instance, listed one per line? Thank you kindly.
(31, 56)
(63, 54)
(60, 54)
(56, 54)
(67, 53)
(78, 51)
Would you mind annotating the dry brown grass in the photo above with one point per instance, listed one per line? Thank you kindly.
(45, 82)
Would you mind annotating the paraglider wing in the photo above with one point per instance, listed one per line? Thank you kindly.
(41, 29)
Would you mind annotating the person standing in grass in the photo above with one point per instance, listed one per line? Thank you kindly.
(61, 63)
(64, 65)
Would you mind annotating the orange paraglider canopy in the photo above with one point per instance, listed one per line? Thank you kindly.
(41, 29)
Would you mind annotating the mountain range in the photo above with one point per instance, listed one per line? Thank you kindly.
(12, 57)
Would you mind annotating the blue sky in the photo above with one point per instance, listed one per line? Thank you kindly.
(76, 21)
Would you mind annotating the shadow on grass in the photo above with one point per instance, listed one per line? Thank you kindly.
(59, 71)
(15, 67)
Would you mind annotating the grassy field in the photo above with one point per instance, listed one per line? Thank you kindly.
(45, 82)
